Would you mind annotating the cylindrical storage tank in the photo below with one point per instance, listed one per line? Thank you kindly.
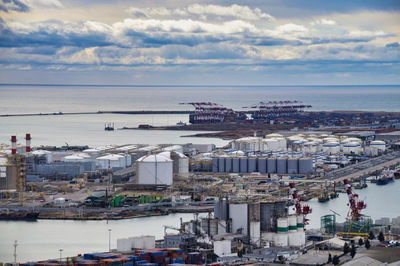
(281, 240)
(228, 164)
(236, 165)
(295, 239)
(223, 209)
(154, 169)
(271, 165)
(293, 166)
(217, 209)
(282, 143)
(215, 165)
(378, 144)
(243, 164)
(300, 223)
(292, 223)
(281, 165)
(252, 165)
(283, 225)
(221, 164)
(305, 166)
(262, 165)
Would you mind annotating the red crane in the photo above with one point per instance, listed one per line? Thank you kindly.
(356, 205)
(299, 207)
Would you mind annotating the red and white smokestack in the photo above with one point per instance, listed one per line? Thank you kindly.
(28, 142)
(13, 145)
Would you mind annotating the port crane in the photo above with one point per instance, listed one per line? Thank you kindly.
(299, 207)
(356, 205)
(276, 108)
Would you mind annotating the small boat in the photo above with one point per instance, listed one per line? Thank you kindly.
(180, 123)
(386, 178)
(323, 198)
(109, 127)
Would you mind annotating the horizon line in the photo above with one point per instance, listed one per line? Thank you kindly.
(186, 85)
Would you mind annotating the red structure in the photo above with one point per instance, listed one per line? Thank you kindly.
(300, 209)
(277, 109)
(356, 205)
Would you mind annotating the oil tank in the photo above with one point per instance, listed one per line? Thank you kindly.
(252, 165)
(243, 164)
(215, 165)
(305, 166)
(281, 165)
(271, 165)
(221, 164)
(292, 165)
(235, 165)
(228, 164)
(262, 165)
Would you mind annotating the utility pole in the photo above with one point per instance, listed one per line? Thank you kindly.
(61, 250)
(15, 252)
(109, 240)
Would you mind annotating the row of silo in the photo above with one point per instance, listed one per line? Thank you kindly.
(259, 144)
(288, 233)
(282, 165)
(269, 213)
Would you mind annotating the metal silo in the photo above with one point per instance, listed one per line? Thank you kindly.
(271, 165)
(235, 165)
(262, 165)
(281, 165)
(228, 164)
(223, 209)
(254, 212)
(293, 166)
(221, 164)
(252, 165)
(243, 164)
(305, 166)
(215, 165)
(217, 208)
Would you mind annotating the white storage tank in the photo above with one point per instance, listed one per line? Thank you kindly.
(73, 158)
(282, 143)
(331, 147)
(154, 169)
(281, 240)
(352, 148)
(295, 239)
(378, 144)
(110, 160)
(283, 225)
(292, 223)
(300, 223)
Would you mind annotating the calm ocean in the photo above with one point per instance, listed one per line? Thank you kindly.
(88, 129)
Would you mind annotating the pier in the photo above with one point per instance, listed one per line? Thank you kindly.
(137, 112)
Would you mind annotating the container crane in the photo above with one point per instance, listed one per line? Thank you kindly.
(208, 113)
(272, 109)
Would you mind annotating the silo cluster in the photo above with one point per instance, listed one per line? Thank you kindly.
(250, 164)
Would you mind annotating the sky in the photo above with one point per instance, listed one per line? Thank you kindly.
(171, 42)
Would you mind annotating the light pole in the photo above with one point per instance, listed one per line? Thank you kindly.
(61, 250)
(109, 240)
(15, 252)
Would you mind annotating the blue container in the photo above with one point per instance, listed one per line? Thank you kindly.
(141, 262)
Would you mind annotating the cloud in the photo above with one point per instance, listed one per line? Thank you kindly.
(14, 5)
(323, 21)
(203, 11)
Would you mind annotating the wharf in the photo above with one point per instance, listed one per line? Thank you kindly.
(137, 112)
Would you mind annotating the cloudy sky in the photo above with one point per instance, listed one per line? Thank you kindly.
(260, 42)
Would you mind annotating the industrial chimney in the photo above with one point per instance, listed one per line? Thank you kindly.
(13, 145)
(28, 142)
